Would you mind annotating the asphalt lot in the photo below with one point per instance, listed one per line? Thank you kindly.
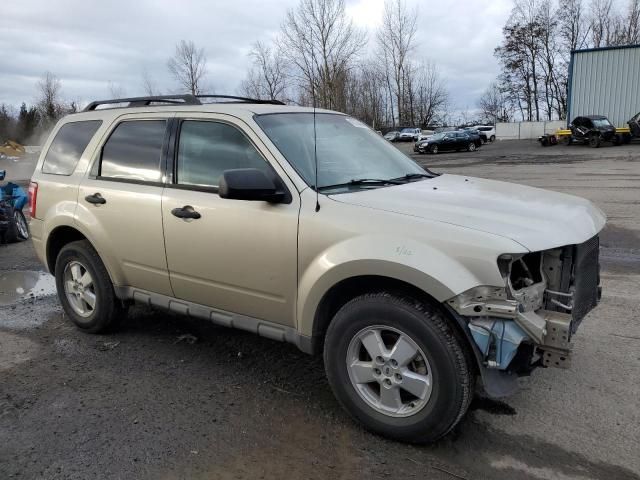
(168, 397)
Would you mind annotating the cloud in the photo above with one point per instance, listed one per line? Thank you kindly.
(89, 44)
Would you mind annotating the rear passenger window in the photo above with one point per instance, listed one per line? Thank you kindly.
(67, 147)
(207, 149)
(133, 151)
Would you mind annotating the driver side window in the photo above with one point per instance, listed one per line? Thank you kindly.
(206, 149)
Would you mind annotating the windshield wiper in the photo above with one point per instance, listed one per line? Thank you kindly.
(363, 181)
(412, 176)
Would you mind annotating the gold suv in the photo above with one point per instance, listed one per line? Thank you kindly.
(308, 227)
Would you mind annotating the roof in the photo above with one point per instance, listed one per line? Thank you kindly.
(602, 49)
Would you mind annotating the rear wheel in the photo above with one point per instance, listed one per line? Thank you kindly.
(397, 367)
(471, 147)
(492, 138)
(85, 289)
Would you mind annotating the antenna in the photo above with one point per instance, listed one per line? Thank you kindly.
(315, 135)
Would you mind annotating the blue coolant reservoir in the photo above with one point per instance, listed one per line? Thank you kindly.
(505, 335)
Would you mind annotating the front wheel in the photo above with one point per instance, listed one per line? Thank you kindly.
(85, 289)
(594, 141)
(433, 149)
(397, 367)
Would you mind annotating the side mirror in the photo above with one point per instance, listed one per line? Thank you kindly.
(3, 173)
(249, 184)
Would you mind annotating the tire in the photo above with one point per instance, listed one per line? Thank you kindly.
(471, 147)
(107, 309)
(616, 140)
(433, 149)
(594, 141)
(22, 227)
(11, 233)
(424, 329)
(492, 138)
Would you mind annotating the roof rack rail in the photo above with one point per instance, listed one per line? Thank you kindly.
(173, 99)
(145, 101)
(243, 99)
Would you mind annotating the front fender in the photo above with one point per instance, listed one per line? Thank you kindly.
(421, 265)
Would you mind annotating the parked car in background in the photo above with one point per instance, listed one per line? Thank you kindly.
(392, 136)
(634, 126)
(593, 130)
(424, 134)
(13, 224)
(487, 132)
(449, 141)
(475, 136)
(409, 134)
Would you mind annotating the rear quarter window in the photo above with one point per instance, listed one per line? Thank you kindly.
(68, 145)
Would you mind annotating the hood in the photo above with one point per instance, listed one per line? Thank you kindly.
(535, 218)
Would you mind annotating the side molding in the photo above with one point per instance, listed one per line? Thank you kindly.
(223, 318)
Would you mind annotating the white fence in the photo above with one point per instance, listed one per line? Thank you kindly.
(527, 130)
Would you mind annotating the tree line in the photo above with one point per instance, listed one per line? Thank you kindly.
(535, 52)
(319, 57)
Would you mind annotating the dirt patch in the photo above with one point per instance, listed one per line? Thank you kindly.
(15, 350)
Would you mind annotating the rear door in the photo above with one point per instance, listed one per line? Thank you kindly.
(239, 256)
(119, 201)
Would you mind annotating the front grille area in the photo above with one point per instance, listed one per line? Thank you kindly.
(585, 280)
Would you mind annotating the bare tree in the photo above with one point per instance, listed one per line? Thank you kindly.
(431, 97)
(494, 105)
(116, 90)
(321, 44)
(395, 43)
(188, 67)
(573, 27)
(148, 84)
(268, 76)
(49, 102)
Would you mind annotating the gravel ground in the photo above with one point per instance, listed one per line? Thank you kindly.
(168, 397)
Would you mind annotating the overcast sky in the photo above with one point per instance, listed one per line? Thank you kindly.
(90, 43)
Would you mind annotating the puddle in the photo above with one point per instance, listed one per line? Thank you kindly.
(16, 286)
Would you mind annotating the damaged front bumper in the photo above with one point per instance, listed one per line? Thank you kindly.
(530, 322)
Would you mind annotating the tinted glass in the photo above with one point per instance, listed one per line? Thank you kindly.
(134, 150)
(68, 145)
(207, 149)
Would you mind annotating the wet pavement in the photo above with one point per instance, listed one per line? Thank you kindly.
(168, 397)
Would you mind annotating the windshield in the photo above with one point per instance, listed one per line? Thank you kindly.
(601, 122)
(346, 148)
(437, 136)
(408, 130)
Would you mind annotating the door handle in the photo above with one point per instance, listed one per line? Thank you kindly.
(185, 212)
(96, 199)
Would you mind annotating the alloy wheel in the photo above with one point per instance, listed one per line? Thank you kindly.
(389, 371)
(79, 288)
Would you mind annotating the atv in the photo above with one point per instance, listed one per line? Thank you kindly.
(593, 130)
(13, 224)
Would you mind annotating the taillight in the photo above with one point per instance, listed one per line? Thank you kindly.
(33, 198)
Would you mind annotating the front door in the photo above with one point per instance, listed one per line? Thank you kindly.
(238, 256)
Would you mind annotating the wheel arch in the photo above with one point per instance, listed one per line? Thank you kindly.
(59, 237)
(345, 290)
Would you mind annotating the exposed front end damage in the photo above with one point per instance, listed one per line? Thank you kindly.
(530, 322)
